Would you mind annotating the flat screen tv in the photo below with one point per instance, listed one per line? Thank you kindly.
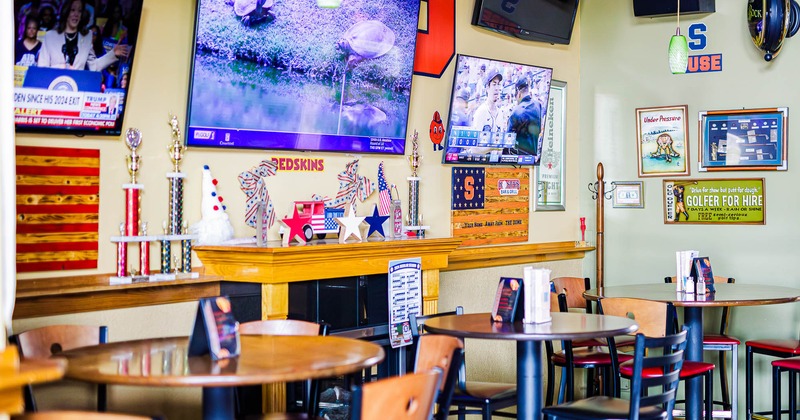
(292, 75)
(534, 20)
(72, 64)
(497, 111)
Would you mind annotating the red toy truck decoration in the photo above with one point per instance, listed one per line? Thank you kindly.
(323, 219)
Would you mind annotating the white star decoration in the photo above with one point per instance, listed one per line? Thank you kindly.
(350, 225)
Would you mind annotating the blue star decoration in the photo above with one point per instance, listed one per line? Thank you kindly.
(376, 222)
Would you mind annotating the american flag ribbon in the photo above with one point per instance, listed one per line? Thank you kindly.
(384, 195)
(352, 186)
(58, 202)
(252, 184)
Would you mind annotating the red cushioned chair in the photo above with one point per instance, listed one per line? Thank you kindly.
(775, 348)
(791, 365)
(655, 319)
(722, 342)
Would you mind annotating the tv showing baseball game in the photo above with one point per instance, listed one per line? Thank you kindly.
(295, 76)
(497, 112)
(72, 64)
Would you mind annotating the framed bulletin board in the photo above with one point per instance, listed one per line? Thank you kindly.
(715, 201)
(743, 140)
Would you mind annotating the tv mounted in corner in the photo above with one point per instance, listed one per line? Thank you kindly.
(497, 112)
(533, 20)
(72, 65)
(294, 76)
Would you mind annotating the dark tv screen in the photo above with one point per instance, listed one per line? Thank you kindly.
(72, 64)
(497, 112)
(533, 20)
(292, 75)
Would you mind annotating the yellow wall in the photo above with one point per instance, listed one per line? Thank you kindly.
(159, 85)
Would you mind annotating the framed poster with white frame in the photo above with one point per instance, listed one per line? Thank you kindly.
(550, 172)
(662, 141)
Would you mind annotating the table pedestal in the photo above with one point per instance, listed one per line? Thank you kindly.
(529, 380)
(693, 318)
(218, 403)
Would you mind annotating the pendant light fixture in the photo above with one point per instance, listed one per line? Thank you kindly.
(329, 4)
(678, 49)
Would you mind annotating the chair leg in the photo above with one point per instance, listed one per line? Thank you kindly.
(487, 412)
(102, 398)
(776, 393)
(792, 395)
(551, 379)
(748, 375)
(709, 394)
(723, 380)
(570, 383)
(562, 387)
(462, 415)
(735, 382)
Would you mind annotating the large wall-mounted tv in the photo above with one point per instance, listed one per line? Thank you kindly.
(534, 20)
(497, 111)
(292, 75)
(72, 64)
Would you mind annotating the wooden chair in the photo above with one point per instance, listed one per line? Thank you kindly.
(722, 343)
(44, 342)
(660, 389)
(485, 398)
(656, 319)
(407, 397)
(446, 353)
(311, 391)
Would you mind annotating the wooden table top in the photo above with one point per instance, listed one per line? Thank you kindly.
(564, 326)
(735, 294)
(263, 359)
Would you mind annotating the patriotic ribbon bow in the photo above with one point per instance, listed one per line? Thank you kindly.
(252, 184)
(352, 186)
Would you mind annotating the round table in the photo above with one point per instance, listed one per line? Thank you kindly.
(727, 294)
(529, 337)
(263, 359)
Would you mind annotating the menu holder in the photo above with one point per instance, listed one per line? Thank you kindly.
(215, 330)
(507, 307)
(701, 267)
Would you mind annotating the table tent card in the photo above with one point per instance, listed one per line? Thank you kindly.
(405, 298)
(536, 283)
(506, 300)
(701, 269)
(683, 278)
(215, 330)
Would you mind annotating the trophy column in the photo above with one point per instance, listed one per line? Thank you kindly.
(414, 227)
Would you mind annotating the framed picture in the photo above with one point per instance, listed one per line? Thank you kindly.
(550, 172)
(628, 194)
(743, 140)
(662, 141)
(715, 201)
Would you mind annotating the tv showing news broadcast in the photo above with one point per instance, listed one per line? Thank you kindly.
(497, 112)
(292, 75)
(72, 64)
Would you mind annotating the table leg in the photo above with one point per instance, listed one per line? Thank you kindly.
(529, 380)
(693, 318)
(218, 403)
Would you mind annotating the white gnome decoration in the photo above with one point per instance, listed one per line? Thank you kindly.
(215, 227)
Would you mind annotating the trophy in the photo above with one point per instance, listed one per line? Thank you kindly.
(175, 229)
(132, 230)
(414, 217)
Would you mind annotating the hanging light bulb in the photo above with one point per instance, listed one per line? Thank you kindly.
(329, 4)
(678, 49)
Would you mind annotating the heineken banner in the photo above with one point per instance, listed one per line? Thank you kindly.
(714, 201)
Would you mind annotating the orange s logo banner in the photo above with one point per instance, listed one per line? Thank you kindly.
(436, 46)
(469, 188)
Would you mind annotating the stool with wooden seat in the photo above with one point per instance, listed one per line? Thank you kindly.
(722, 342)
(656, 319)
(43, 342)
(310, 394)
(652, 397)
(485, 398)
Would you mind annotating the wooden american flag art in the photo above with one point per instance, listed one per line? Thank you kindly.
(489, 205)
(58, 201)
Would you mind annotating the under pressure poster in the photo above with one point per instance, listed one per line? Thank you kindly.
(715, 201)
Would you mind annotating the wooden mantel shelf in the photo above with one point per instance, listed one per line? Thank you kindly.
(496, 256)
(321, 259)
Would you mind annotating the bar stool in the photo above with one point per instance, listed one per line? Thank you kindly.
(791, 365)
(769, 347)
